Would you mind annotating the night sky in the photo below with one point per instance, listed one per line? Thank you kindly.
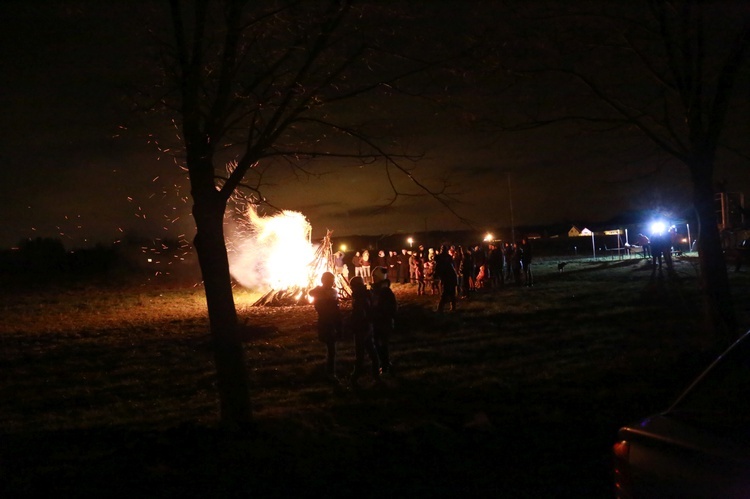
(77, 165)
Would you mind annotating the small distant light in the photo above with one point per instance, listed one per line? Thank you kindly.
(149, 260)
(489, 237)
(343, 247)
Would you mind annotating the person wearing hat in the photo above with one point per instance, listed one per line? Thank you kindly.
(361, 325)
(384, 308)
(326, 302)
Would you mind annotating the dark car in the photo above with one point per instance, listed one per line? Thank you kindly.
(700, 446)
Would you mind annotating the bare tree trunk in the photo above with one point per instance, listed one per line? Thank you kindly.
(714, 280)
(210, 246)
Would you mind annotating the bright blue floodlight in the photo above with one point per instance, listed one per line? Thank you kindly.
(658, 227)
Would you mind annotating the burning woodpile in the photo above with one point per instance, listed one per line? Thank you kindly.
(323, 261)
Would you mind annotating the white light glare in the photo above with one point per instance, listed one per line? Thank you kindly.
(658, 227)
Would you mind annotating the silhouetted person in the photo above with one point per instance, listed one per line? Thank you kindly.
(448, 278)
(645, 243)
(516, 263)
(495, 266)
(467, 266)
(526, 262)
(419, 273)
(508, 254)
(384, 308)
(403, 266)
(362, 328)
(326, 302)
(660, 248)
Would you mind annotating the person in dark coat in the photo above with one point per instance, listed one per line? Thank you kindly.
(381, 260)
(362, 328)
(448, 278)
(516, 263)
(526, 262)
(394, 262)
(357, 264)
(660, 247)
(508, 257)
(326, 302)
(467, 281)
(495, 265)
(403, 266)
(384, 308)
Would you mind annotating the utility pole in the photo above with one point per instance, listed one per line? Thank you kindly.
(510, 204)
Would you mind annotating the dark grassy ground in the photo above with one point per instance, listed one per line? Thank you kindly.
(518, 394)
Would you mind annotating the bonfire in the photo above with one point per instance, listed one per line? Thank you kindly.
(299, 294)
(275, 254)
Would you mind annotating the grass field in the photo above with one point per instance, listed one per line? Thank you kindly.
(110, 390)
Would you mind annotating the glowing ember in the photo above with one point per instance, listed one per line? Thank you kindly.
(273, 252)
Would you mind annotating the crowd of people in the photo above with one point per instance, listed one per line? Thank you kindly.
(660, 246)
(429, 269)
(450, 272)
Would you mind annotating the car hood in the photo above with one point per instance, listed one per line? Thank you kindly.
(680, 431)
(671, 455)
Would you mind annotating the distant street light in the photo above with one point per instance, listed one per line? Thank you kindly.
(489, 237)
(410, 241)
(343, 247)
